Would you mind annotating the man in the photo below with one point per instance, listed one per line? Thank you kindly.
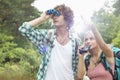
(59, 61)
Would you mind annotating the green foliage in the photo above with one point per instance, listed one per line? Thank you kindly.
(12, 14)
(18, 58)
(116, 5)
(108, 24)
(14, 72)
(116, 41)
(17, 61)
(6, 45)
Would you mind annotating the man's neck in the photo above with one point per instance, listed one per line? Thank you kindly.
(62, 35)
(61, 31)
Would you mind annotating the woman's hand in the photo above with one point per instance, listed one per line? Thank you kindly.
(81, 65)
(81, 53)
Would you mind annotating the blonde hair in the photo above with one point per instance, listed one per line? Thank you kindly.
(88, 32)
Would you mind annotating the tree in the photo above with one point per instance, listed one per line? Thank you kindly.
(17, 60)
(12, 14)
(108, 24)
(116, 5)
(116, 41)
(9, 50)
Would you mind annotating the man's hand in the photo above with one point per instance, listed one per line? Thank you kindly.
(44, 17)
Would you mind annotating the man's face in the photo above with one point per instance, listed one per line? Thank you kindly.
(58, 21)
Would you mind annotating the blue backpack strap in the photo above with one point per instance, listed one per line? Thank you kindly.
(106, 64)
(116, 74)
(103, 61)
(116, 51)
(117, 63)
(87, 61)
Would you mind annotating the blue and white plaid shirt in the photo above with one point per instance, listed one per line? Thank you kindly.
(40, 38)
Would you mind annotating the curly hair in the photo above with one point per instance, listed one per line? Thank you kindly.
(67, 13)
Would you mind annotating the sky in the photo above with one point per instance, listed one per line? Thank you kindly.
(84, 8)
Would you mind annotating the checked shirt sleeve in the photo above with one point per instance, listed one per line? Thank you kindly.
(34, 35)
(78, 42)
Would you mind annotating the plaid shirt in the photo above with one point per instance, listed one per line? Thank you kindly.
(44, 42)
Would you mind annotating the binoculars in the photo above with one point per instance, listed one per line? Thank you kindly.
(85, 49)
(53, 11)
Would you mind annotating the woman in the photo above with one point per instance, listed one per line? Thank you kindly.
(96, 70)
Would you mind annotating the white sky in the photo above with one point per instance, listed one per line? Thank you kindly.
(83, 8)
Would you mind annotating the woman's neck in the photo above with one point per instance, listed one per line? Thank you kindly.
(96, 52)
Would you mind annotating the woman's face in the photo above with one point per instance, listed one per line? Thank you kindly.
(89, 39)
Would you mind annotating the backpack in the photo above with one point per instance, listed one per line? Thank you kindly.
(116, 51)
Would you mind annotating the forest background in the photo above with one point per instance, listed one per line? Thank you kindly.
(19, 59)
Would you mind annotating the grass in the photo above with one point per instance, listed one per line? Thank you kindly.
(16, 74)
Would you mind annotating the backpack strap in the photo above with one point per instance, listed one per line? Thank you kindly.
(107, 65)
(77, 43)
(50, 37)
(76, 47)
(103, 60)
(117, 66)
(87, 61)
(116, 52)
